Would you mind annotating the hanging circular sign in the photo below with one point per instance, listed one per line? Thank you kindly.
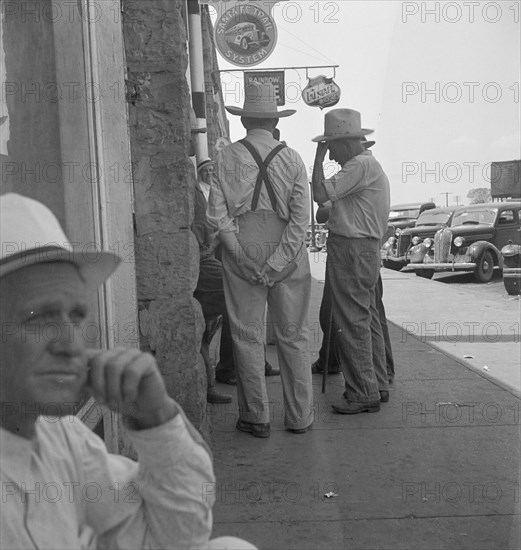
(245, 35)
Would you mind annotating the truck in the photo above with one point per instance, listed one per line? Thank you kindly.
(505, 180)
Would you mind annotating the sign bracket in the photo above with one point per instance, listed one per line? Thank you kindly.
(282, 69)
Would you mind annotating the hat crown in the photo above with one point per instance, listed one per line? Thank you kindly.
(342, 124)
(26, 224)
(342, 121)
(260, 101)
(260, 98)
(30, 234)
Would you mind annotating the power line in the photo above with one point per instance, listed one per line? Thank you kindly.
(306, 44)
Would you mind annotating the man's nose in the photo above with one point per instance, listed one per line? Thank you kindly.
(66, 338)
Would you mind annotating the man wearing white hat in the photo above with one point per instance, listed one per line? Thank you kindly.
(60, 486)
(360, 206)
(261, 207)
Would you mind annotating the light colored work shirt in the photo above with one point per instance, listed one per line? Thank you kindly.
(232, 194)
(205, 188)
(63, 490)
(361, 198)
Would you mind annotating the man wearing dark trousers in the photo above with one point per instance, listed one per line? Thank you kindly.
(360, 206)
(325, 317)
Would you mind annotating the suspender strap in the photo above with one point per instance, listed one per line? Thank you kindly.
(263, 173)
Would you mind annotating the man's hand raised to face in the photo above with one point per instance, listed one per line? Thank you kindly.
(319, 193)
(322, 147)
(128, 381)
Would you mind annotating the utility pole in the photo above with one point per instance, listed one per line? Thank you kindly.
(446, 198)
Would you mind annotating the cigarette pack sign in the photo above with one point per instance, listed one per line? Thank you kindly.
(268, 77)
(321, 92)
(245, 32)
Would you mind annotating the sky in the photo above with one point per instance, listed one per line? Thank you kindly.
(437, 81)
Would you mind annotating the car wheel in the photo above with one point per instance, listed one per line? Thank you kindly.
(391, 265)
(244, 44)
(425, 273)
(485, 268)
(512, 286)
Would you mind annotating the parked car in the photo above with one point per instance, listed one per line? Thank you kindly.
(402, 216)
(472, 242)
(395, 251)
(320, 236)
(512, 268)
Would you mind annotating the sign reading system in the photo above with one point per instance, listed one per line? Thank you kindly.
(268, 77)
(245, 34)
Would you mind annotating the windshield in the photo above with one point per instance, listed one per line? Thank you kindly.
(429, 217)
(486, 216)
(408, 213)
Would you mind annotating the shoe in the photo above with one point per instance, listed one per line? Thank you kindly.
(270, 371)
(226, 379)
(317, 368)
(300, 430)
(215, 397)
(345, 407)
(384, 396)
(257, 430)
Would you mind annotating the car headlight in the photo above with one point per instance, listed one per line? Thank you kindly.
(459, 241)
(391, 240)
(398, 232)
(427, 243)
(416, 240)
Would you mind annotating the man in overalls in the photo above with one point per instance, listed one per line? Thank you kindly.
(261, 206)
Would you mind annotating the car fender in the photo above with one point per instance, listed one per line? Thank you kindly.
(511, 250)
(416, 253)
(476, 250)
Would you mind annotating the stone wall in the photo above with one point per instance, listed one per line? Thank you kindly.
(167, 255)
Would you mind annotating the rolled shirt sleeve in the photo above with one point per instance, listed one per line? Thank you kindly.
(164, 501)
(350, 179)
(217, 211)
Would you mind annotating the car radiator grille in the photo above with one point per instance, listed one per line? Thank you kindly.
(442, 242)
(404, 242)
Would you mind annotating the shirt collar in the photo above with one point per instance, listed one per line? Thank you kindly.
(366, 152)
(260, 132)
(15, 455)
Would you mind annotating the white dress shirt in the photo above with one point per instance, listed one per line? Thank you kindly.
(63, 490)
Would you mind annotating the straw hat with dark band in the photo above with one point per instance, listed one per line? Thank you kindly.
(260, 102)
(31, 234)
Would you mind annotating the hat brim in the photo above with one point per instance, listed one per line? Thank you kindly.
(363, 132)
(202, 164)
(273, 114)
(95, 267)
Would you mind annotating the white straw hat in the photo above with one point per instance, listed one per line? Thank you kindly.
(260, 102)
(30, 234)
(342, 124)
(205, 162)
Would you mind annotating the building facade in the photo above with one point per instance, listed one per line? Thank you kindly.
(95, 123)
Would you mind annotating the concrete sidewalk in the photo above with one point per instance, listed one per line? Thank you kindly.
(436, 468)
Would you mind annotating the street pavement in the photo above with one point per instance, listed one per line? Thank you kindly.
(437, 468)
